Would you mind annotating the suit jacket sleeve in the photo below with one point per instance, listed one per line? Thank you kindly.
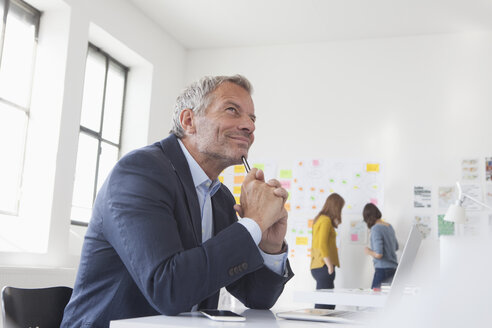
(147, 221)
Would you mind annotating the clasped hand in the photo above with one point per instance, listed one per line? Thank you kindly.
(264, 203)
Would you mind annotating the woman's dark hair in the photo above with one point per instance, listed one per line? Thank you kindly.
(371, 214)
(332, 209)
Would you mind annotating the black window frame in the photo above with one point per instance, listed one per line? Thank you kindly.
(99, 135)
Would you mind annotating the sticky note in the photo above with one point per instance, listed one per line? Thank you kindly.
(239, 169)
(354, 237)
(315, 162)
(259, 166)
(285, 184)
(372, 167)
(374, 201)
(238, 179)
(301, 240)
(237, 199)
(237, 190)
(285, 174)
(287, 207)
(310, 223)
(221, 178)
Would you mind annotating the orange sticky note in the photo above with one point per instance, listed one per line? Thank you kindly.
(287, 207)
(310, 223)
(238, 179)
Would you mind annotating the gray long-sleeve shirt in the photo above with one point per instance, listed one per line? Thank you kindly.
(383, 241)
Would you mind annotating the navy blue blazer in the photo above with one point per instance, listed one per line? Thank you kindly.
(143, 253)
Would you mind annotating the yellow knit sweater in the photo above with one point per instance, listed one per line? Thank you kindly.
(324, 243)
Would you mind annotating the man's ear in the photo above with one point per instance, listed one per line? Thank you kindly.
(187, 120)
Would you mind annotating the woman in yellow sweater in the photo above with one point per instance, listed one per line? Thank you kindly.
(324, 254)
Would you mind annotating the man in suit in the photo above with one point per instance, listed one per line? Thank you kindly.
(164, 235)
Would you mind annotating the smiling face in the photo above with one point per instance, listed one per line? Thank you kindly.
(219, 137)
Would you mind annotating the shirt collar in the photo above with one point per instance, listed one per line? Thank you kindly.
(200, 178)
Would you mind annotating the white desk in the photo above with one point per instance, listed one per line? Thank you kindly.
(351, 297)
(254, 318)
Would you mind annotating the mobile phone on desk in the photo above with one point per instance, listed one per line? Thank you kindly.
(222, 315)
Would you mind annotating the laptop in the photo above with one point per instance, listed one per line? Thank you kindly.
(359, 297)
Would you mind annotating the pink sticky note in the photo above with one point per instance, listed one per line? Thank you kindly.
(374, 201)
(354, 237)
(315, 162)
(285, 184)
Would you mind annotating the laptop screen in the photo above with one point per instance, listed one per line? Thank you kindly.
(404, 268)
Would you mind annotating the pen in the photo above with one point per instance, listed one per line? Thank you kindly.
(246, 165)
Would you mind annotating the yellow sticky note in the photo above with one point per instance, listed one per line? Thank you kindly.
(238, 179)
(372, 167)
(237, 199)
(301, 240)
(221, 178)
(239, 169)
(236, 190)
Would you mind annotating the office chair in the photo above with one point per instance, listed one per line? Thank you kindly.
(34, 307)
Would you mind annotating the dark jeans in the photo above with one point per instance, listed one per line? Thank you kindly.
(382, 275)
(323, 281)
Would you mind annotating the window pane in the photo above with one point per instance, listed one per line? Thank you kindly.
(2, 7)
(113, 105)
(13, 124)
(93, 91)
(109, 156)
(17, 60)
(85, 176)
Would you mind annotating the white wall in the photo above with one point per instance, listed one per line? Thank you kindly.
(41, 236)
(418, 104)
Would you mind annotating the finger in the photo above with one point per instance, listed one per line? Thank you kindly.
(239, 210)
(281, 192)
(274, 183)
(251, 175)
(260, 175)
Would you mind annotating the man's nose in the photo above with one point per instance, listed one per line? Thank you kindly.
(247, 124)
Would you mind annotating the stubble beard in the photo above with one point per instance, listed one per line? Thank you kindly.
(222, 151)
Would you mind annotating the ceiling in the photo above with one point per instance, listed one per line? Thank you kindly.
(200, 24)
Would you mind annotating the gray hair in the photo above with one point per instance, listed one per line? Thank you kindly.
(197, 96)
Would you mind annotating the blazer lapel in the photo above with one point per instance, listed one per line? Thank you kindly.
(173, 151)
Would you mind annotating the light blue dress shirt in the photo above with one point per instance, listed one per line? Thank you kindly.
(205, 189)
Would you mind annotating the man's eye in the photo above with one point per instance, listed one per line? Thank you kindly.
(232, 109)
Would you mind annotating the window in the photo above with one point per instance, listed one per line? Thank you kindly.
(18, 39)
(100, 127)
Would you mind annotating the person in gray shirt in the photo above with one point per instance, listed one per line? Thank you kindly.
(383, 246)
